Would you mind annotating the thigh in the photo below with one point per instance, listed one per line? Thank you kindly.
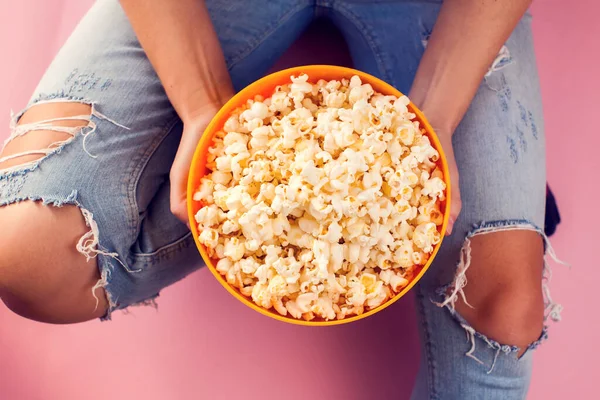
(386, 38)
(116, 169)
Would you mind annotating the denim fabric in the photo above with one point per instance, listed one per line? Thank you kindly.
(117, 169)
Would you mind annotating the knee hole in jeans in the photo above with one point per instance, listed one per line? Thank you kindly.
(503, 299)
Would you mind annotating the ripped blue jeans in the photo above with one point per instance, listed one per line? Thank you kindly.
(116, 169)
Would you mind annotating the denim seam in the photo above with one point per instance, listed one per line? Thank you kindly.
(367, 35)
(164, 251)
(264, 35)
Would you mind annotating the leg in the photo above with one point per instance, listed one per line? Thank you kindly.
(84, 198)
(479, 349)
(26, 287)
(30, 285)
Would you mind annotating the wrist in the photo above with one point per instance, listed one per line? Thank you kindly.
(439, 115)
(201, 106)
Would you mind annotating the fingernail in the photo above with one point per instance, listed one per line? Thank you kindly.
(450, 226)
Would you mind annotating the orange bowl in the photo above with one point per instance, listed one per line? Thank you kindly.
(265, 87)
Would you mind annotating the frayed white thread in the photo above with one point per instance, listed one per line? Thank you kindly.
(552, 310)
(460, 278)
(550, 251)
(20, 130)
(88, 245)
(502, 57)
(494, 362)
(93, 127)
(102, 282)
(42, 125)
(99, 115)
(89, 241)
(471, 338)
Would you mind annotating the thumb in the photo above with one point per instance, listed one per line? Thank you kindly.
(180, 170)
(455, 199)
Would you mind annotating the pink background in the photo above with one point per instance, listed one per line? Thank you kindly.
(204, 344)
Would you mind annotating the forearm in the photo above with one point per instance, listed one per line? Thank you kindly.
(180, 42)
(465, 40)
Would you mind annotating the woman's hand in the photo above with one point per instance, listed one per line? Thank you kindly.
(466, 38)
(192, 132)
(186, 54)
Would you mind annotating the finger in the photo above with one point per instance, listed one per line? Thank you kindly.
(178, 194)
(455, 201)
(179, 210)
(176, 197)
(181, 213)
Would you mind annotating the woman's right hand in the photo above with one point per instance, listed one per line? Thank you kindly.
(193, 129)
(186, 54)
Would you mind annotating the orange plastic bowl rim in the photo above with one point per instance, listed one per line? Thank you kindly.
(265, 87)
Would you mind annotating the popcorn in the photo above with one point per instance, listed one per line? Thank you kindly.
(397, 282)
(279, 306)
(308, 224)
(322, 199)
(324, 307)
(221, 178)
(261, 296)
(403, 254)
(234, 138)
(209, 237)
(434, 187)
(223, 163)
(334, 233)
(335, 99)
(292, 307)
(305, 300)
(207, 216)
(205, 190)
(277, 287)
(426, 236)
(247, 265)
(234, 249)
(224, 265)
